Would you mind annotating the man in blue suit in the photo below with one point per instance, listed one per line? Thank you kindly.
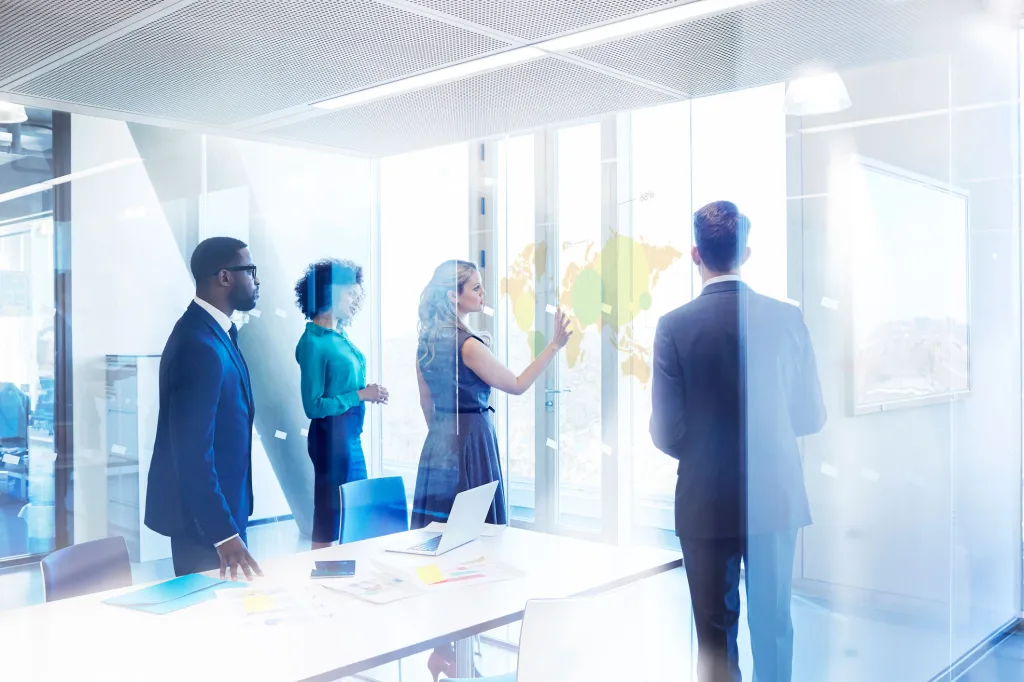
(200, 481)
(735, 385)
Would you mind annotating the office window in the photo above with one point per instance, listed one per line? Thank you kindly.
(518, 300)
(684, 155)
(660, 206)
(578, 212)
(424, 220)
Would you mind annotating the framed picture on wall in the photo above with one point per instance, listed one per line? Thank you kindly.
(910, 289)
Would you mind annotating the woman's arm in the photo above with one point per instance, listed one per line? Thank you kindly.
(426, 401)
(478, 358)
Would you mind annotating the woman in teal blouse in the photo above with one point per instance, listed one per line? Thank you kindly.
(333, 386)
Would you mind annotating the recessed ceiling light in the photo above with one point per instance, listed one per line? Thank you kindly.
(425, 80)
(642, 24)
(619, 29)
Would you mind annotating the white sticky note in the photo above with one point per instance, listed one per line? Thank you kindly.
(11, 460)
(829, 470)
(606, 449)
(304, 432)
(551, 309)
(280, 435)
(552, 444)
(488, 311)
(280, 313)
(870, 474)
(119, 449)
(607, 309)
(255, 313)
(829, 303)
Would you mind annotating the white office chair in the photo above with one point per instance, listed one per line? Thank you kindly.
(582, 639)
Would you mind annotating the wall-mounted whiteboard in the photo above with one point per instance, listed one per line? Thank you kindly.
(910, 289)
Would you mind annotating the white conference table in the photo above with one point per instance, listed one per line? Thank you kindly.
(83, 638)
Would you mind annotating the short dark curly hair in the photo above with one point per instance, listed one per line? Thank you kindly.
(314, 290)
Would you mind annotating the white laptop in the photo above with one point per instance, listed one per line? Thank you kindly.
(465, 523)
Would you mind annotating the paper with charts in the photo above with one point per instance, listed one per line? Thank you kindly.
(267, 603)
(376, 588)
(474, 571)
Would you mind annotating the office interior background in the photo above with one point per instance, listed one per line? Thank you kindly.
(562, 145)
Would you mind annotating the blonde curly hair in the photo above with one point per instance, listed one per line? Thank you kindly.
(437, 312)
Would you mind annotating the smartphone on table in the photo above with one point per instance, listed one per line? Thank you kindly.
(333, 569)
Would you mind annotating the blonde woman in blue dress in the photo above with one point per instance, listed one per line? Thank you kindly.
(456, 372)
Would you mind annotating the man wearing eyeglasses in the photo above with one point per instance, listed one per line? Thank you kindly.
(199, 491)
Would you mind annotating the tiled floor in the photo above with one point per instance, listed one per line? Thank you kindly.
(846, 643)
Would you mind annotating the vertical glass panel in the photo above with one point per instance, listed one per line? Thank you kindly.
(519, 299)
(578, 442)
(660, 208)
(424, 221)
(27, 458)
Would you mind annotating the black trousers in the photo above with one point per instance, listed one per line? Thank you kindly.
(713, 574)
(191, 555)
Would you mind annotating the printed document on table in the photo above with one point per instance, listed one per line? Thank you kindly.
(376, 588)
(467, 569)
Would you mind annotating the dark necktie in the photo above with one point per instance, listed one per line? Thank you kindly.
(233, 333)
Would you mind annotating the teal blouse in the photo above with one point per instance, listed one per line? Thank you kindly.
(332, 370)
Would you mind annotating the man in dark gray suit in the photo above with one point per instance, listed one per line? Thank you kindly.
(735, 385)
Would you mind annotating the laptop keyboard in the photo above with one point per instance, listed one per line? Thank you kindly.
(430, 545)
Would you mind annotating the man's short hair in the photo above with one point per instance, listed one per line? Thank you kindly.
(213, 255)
(720, 232)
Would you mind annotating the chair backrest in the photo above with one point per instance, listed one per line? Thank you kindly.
(372, 508)
(581, 639)
(86, 568)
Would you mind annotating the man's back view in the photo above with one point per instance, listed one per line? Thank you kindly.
(735, 384)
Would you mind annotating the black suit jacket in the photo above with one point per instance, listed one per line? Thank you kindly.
(735, 384)
(200, 479)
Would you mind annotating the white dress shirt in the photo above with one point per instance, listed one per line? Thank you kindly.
(721, 278)
(225, 322)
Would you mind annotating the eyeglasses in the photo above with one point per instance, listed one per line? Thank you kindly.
(251, 269)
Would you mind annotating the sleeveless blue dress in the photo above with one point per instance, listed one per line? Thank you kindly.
(461, 449)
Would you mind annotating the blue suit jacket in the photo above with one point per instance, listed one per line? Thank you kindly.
(200, 480)
(735, 384)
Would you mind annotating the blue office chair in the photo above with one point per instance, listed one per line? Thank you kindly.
(372, 508)
(86, 568)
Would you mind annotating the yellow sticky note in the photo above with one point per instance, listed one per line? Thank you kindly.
(257, 603)
(430, 575)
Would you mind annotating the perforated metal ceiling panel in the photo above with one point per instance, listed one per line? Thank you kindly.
(536, 19)
(220, 62)
(515, 98)
(33, 30)
(770, 42)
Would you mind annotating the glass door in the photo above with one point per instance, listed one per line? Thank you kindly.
(552, 235)
(574, 386)
(26, 388)
(27, 376)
